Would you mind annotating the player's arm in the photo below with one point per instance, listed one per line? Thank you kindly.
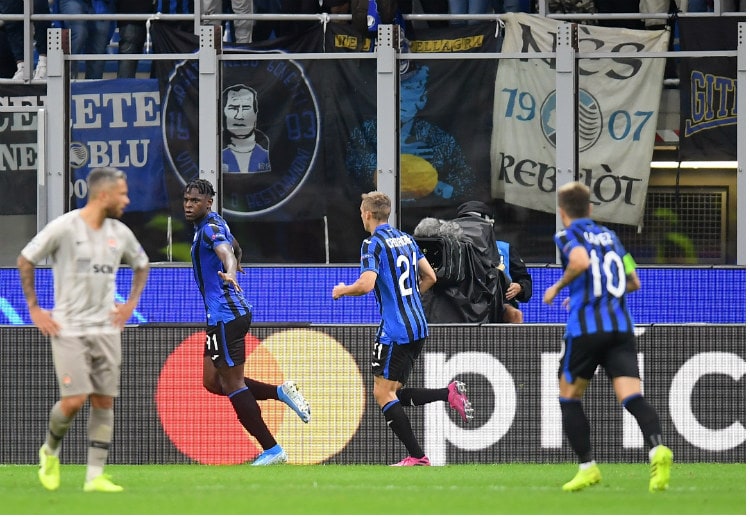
(632, 281)
(124, 311)
(427, 277)
(41, 318)
(578, 262)
(363, 285)
(225, 252)
(237, 254)
(136, 258)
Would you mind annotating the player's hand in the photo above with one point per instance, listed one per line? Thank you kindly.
(550, 293)
(43, 320)
(121, 314)
(338, 290)
(229, 279)
(239, 268)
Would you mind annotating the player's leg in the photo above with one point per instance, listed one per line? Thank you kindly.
(577, 367)
(49, 452)
(105, 363)
(249, 414)
(391, 366)
(622, 366)
(385, 395)
(262, 390)
(211, 379)
(287, 392)
(629, 394)
(71, 368)
(100, 426)
(454, 394)
(229, 359)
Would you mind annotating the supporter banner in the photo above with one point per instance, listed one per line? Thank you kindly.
(618, 104)
(444, 120)
(117, 123)
(271, 115)
(708, 90)
(18, 148)
(314, 122)
(693, 375)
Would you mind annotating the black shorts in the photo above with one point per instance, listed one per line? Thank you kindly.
(395, 362)
(225, 342)
(615, 351)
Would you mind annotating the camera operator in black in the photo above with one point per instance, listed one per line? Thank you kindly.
(475, 219)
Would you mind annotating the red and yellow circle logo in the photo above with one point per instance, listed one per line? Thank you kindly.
(205, 428)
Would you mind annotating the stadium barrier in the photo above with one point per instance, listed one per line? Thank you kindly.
(693, 374)
(303, 294)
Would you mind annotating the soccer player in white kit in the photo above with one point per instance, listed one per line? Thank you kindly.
(86, 247)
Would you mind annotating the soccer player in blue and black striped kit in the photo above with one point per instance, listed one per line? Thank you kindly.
(393, 265)
(599, 331)
(216, 258)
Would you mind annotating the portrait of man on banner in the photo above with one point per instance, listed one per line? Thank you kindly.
(246, 148)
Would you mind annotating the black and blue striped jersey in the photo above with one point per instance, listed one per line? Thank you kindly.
(394, 256)
(222, 302)
(597, 297)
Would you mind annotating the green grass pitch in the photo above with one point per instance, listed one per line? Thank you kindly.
(696, 488)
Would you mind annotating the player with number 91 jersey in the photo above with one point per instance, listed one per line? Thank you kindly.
(597, 299)
(393, 255)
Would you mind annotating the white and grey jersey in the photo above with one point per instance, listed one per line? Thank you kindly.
(85, 262)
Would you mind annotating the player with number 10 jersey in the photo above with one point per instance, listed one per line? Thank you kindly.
(597, 298)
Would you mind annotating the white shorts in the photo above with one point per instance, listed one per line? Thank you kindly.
(88, 364)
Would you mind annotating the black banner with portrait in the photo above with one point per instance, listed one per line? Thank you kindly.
(277, 214)
(299, 136)
(708, 90)
(269, 122)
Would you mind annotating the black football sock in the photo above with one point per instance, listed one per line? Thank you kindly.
(421, 396)
(577, 428)
(401, 427)
(262, 390)
(647, 419)
(248, 413)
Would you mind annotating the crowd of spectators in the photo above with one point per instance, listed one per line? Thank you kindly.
(97, 36)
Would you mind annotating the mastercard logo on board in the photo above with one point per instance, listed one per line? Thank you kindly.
(205, 428)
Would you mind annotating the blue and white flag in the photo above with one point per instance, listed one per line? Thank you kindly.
(618, 106)
(117, 123)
